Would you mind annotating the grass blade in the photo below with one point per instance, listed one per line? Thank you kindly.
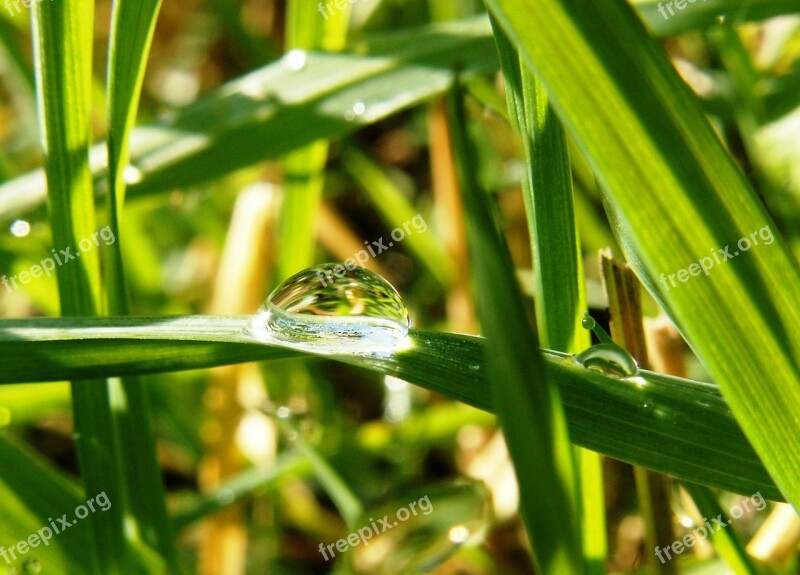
(665, 171)
(63, 52)
(528, 406)
(690, 436)
(132, 26)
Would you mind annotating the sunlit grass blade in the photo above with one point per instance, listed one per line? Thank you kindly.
(558, 271)
(132, 27)
(287, 105)
(691, 436)
(665, 171)
(396, 210)
(528, 406)
(61, 553)
(63, 52)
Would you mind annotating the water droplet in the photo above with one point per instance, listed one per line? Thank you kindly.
(589, 323)
(475, 366)
(720, 19)
(283, 412)
(422, 532)
(609, 359)
(329, 309)
(31, 565)
(358, 109)
(20, 228)
(294, 60)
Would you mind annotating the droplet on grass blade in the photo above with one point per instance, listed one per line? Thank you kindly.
(329, 309)
(608, 358)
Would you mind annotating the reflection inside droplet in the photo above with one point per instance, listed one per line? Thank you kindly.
(330, 309)
(609, 359)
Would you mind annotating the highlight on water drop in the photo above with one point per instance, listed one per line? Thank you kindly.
(352, 312)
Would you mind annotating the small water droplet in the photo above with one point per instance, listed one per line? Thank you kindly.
(720, 19)
(20, 228)
(588, 322)
(31, 565)
(294, 60)
(283, 412)
(609, 359)
(475, 366)
(358, 109)
(329, 309)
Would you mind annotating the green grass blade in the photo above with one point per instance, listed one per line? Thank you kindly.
(726, 542)
(528, 406)
(676, 197)
(676, 426)
(132, 26)
(63, 52)
(287, 105)
(396, 210)
(558, 271)
(668, 21)
(65, 552)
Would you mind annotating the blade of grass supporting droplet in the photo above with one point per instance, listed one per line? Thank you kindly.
(132, 26)
(528, 407)
(676, 196)
(558, 271)
(63, 53)
(699, 442)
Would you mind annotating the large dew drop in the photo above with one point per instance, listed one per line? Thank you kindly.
(608, 358)
(329, 309)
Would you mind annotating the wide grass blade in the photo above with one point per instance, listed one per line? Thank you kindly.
(289, 104)
(677, 426)
(676, 197)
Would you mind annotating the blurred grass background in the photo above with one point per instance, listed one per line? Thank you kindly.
(218, 245)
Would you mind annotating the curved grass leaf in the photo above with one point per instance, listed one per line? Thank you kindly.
(676, 426)
(677, 198)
